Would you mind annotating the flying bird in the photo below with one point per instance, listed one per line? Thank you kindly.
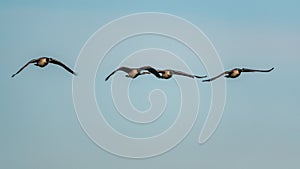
(135, 72)
(234, 73)
(168, 73)
(42, 62)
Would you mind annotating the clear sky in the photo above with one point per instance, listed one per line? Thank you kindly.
(261, 121)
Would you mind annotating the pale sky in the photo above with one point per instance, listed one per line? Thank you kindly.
(260, 125)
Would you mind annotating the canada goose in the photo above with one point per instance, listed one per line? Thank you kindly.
(236, 73)
(42, 62)
(168, 73)
(135, 72)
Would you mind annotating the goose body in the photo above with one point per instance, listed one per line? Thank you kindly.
(236, 72)
(44, 61)
(135, 72)
(168, 73)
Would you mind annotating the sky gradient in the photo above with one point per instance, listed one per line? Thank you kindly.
(261, 121)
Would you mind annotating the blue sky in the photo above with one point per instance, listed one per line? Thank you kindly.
(260, 125)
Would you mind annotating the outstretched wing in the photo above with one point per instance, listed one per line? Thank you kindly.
(185, 74)
(62, 65)
(160, 71)
(211, 79)
(255, 70)
(151, 70)
(32, 61)
(124, 69)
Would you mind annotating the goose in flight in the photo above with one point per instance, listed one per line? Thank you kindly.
(168, 73)
(236, 73)
(42, 62)
(135, 72)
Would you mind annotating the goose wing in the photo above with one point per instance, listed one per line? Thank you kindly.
(255, 70)
(32, 61)
(211, 79)
(151, 70)
(62, 65)
(175, 72)
(124, 69)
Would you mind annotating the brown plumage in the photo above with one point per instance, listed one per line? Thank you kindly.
(135, 72)
(168, 73)
(44, 61)
(234, 73)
